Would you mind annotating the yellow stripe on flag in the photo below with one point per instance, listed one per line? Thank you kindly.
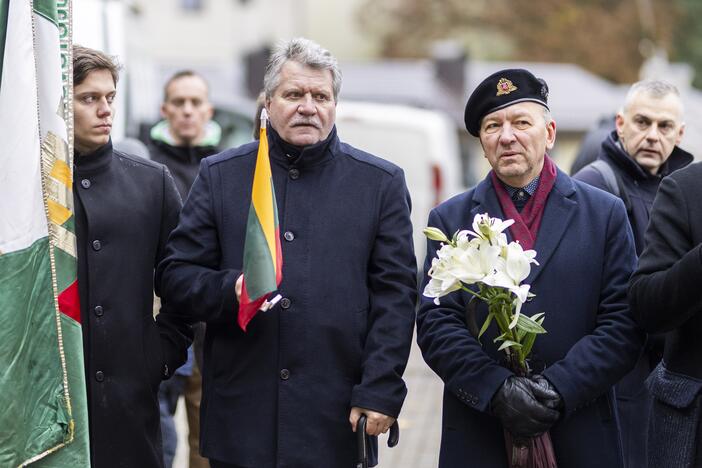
(58, 213)
(262, 195)
(61, 172)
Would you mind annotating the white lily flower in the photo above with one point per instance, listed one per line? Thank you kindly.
(443, 280)
(489, 228)
(474, 262)
(518, 261)
(437, 288)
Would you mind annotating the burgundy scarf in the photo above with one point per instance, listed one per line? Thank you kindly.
(526, 224)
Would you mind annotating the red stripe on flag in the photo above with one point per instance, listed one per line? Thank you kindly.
(247, 308)
(69, 302)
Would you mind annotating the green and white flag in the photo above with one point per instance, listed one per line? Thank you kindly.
(43, 420)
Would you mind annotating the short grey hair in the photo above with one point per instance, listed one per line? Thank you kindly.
(304, 52)
(547, 116)
(655, 88)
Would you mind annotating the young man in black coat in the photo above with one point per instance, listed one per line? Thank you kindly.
(666, 297)
(632, 162)
(125, 207)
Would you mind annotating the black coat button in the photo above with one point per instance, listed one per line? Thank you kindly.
(97, 245)
(294, 174)
(98, 311)
(289, 236)
(284, 374)
(99, 376)
(285, 303)
(85, 183)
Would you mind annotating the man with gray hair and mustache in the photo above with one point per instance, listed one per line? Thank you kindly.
(289, 391)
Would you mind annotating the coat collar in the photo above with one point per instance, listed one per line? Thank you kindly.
(97, 161)
(559, 210)
(287, 155)
(185, 154)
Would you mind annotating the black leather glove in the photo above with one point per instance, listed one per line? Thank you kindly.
(520, 411)
(545, 392)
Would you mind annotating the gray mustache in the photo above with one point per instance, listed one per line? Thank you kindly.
(305, 122)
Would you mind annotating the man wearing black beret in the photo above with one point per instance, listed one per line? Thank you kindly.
(585, 251)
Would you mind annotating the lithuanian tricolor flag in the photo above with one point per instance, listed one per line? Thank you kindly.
(43, 410)
(263, 258)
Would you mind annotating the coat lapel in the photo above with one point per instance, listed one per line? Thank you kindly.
(485, 200)
(559, 210)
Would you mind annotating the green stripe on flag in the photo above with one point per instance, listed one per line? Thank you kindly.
(76, 453)
(31, 375)
(4, 8)
(65, 269)
(258, 262)
(47, 9)
(70, 224)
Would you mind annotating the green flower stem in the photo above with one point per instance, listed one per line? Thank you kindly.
(499, 303)
(500, 306)
(474, 294)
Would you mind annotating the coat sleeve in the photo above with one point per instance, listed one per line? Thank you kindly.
(192, 283)
(447, 345)
(665, 290)
(392, 281)
(174, 330)
(601, 358)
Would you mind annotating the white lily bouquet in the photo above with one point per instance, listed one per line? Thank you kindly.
(482, 258)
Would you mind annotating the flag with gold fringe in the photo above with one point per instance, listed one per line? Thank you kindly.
(263, 258)
(44, 419)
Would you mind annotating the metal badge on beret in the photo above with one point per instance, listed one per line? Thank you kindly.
(504, 86)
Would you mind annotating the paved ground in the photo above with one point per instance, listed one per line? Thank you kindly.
(419, 422)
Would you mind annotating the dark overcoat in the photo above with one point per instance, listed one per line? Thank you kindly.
(279, 394)
(639, 188)
(125, 207)
(666, 297)
(586, 254)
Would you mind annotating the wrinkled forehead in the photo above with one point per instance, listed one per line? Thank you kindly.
(296, 74)
(520, 109)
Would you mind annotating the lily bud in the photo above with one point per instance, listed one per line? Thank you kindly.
(435, 234)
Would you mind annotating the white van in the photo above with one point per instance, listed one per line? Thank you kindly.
(422, 142)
